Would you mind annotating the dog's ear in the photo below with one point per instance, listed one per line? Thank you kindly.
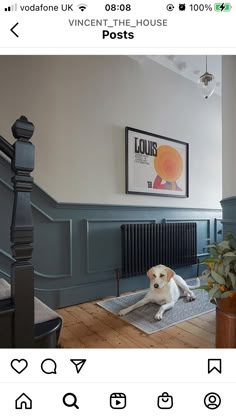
(150, 273)
(170, 273)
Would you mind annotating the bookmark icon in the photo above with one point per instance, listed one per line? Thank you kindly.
(214, 365)
(78, 363)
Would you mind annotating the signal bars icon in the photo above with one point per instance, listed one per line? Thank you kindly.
(12, 8)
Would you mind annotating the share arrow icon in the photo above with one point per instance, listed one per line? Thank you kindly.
(78, 363)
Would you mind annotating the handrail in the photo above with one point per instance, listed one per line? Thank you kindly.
(6, 148)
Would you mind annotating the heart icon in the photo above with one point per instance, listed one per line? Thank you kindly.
(19, 365)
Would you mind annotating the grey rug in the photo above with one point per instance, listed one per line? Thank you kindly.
(143, 317)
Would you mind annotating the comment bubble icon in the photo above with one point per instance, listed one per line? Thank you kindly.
(49, 366)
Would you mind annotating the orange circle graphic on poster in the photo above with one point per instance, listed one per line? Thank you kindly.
(168, 163)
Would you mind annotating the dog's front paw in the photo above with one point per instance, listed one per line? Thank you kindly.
(158, 315)
(123, 312)
(191, 297)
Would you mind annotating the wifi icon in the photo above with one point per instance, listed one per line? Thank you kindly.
(82, 7)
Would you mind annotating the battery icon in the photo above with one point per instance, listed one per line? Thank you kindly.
(222, 7)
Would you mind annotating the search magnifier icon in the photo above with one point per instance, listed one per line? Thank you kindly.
(70, 400)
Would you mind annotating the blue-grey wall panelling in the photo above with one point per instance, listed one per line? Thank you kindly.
(78, 246)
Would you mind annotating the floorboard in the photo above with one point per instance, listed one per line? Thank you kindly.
(88, 325)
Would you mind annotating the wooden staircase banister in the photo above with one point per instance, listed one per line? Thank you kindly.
(22, 272)
(25, 321)
(6, 148)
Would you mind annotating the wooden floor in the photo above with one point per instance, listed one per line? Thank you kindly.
(89, 326)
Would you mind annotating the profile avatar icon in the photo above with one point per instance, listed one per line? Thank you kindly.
(168, 164)
(212, 401)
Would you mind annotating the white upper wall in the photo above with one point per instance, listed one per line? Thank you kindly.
(80, 106)
(229, 125)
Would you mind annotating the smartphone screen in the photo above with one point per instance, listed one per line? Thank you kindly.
(117, 208)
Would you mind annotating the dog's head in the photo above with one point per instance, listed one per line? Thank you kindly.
(160, 275)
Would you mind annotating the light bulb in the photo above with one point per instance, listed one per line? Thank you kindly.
(207, 84)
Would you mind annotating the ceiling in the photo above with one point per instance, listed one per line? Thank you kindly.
(190, 66)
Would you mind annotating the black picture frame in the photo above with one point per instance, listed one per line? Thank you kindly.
(156, 165)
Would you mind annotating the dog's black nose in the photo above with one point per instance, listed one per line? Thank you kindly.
(156, 286)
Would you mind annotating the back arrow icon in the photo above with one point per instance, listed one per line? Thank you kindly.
(12, 29)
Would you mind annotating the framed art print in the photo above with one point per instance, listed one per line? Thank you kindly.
(156, 165)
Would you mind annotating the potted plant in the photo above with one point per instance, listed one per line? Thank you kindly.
(221, 286)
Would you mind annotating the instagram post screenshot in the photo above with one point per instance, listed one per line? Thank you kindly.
(117, 209)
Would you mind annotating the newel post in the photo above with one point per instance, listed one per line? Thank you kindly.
(22, 271)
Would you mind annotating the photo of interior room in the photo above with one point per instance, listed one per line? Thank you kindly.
(72, 253)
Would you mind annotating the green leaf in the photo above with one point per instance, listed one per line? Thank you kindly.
(224, 245)
(231, 239)
(229, 259)
(229, 236)
(227, 254)
(220, 269)
(214, 292)
(218, 294)
(218, 278)
(206, 273)
(214, 251)
(226, 294)
(232, 277)
(227, 269)
(210, 260)
(204, 287)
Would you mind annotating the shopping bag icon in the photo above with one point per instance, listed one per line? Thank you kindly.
(165, 401)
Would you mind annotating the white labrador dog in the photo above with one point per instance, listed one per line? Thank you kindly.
(165, 289)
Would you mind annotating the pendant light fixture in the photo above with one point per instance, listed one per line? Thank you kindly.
(207, 83)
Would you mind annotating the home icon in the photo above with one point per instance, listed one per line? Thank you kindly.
(23, 402)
